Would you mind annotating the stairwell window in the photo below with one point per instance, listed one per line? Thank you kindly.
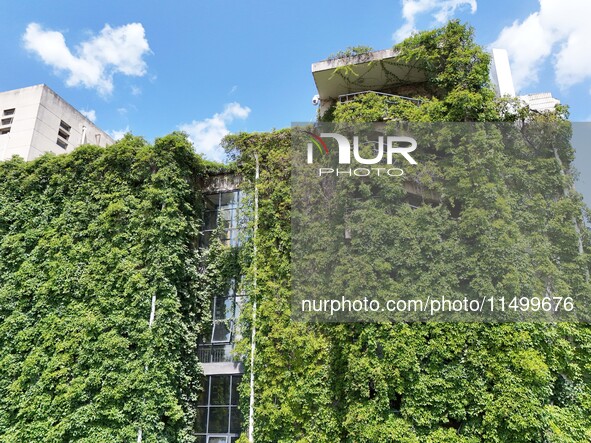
(217, 342)
(7, 119)
(63, 134)
(218, 418)
(66, 127)
(222, 212)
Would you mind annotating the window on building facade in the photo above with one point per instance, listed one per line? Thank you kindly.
(66, 127)
(222, 212)
(6, 121)
(218, 418)
(63, 135)
(217, 343)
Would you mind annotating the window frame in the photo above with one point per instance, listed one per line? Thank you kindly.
(230, 211)
(231, 407)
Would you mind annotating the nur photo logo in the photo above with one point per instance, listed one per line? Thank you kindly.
(385, 150)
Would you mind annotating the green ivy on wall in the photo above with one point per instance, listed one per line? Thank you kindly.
(89, 239)
(86, 241)
(433, 382)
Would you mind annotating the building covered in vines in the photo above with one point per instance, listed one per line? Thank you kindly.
(146, 294)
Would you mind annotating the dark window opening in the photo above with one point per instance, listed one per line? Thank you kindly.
(63, 134)
(65, 126)
(218, 418)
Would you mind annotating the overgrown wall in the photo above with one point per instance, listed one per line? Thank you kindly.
(87, 241)
(431, 382)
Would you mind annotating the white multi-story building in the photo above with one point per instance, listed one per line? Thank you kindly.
(36, 120)
(541, 102)
(502, 82)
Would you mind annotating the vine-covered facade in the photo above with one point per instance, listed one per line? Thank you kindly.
(431, 382)
(146, 293)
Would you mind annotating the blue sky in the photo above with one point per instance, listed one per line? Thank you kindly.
(213, 66)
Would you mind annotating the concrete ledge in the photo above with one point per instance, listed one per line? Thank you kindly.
(223, 368)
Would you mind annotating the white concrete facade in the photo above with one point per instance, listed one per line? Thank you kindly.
(36, 120)
(541, 102)
(500, 73)
(502, 82)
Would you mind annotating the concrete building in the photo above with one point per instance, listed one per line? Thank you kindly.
(502, 81)
(36, 120)
(380, 72)
(500, 73)
(343, 79)
(541, 102)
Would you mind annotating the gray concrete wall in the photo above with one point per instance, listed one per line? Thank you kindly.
(38, 114)
(26, 104)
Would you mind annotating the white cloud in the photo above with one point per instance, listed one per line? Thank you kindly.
(113, 51)
(118, 135)
(207, 134)
(440, 10)
(136, 90)
(558, 32)
(90, 114)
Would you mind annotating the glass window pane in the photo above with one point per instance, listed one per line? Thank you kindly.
(234, 220)
(218, 419)
(220, 390)
(205, 392)
(201, 439)
(201, 420)
(235, 382)
(206, 337)
(235, 420)
(207, 330)
(223, 308)
(229, 307)
(217, 440)
(210, 220)
(212, 201)
(234, 237)
(222, 353)
(222, 331)
(229, 199)
(221, 209)
(228, 353)
(226, 219)
(238, 302)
